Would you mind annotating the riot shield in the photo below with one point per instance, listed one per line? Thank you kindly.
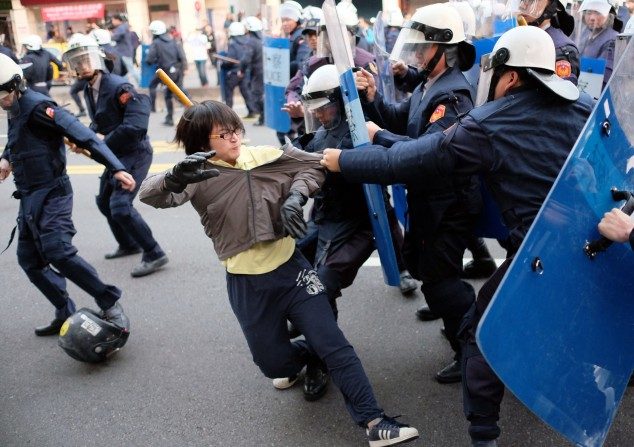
(382, 57)
(276, 53)
(342, 55)
(591, 76)
(559, 331)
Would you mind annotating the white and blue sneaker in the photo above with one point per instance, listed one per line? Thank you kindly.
(390, 432)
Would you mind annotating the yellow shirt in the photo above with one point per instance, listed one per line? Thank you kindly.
(262, 257)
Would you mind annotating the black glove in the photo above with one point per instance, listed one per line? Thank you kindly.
(190, 170)
(293, 215)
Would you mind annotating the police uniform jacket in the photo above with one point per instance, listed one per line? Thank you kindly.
(300, 51)
(240, 49)
(168, 55)
(7, 52)
(121, 114)
(36, 150)
(518, 143)
(40, 72)
(600, 46)
(566, 55)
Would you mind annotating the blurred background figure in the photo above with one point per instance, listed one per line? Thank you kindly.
(39, 75)
(256, 73)
(198, 43)
(122, 36)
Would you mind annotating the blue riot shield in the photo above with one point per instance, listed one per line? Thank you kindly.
(342, 55)
(559, 331)
(591, 76)
(276, 63)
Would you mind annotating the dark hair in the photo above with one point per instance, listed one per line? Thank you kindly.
(195, 125)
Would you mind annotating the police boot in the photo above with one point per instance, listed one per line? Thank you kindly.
(482, 265)
(168, 121)
(451, 373)
(60, 316)
(116, 316)
(426, 314)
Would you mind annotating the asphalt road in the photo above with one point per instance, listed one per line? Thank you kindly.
(186, 378)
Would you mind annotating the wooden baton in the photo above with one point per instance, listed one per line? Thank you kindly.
(180, 95)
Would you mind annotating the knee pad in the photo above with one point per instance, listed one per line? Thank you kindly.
(57, 247)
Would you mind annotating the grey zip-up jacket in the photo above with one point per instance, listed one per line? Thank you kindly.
(240, 207)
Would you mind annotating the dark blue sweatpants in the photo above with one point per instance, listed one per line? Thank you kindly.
(263, 303)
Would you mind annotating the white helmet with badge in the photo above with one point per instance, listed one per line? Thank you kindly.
(438, 24)
(84, 57)
(526, 47)
(321, 98)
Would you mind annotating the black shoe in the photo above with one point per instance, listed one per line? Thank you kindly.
(450, 373)
(148, 267)
(258, 123)
(315, 383)
(116, 316)
(50, 329)
(250, 115)
(479, 268)
(425, 314)
(293, 332)
(407, 283)
(121, 252)
(390, 432)
(80, 114)
(168, 122)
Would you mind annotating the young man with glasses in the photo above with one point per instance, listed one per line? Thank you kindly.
(250, 203)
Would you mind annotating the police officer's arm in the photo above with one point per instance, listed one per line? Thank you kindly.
(392, 116)
(463, 149)
(56, 120)
(55, 61)
(136, 118)
(5, 164)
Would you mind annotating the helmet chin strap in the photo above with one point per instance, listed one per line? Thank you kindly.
(431, 65)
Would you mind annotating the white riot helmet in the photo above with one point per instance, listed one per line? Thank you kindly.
(157, 27)
(434, 24)
(394, 18)
(313, 19)
(84, 57)
(253, 24)
(102, 36)
(236, 29)
(526, 47)
(321, 98)
(347, 13)
(32, 42)
(11, 76)
(291, 10)
(467, 15)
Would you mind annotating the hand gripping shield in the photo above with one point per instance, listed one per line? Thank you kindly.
(564, 311)
(342, 54)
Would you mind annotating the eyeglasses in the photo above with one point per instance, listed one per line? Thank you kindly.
(239, 133)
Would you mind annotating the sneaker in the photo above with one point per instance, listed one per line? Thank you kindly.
(407, 284)
(389, 432)
(148, 267)
(116, 316)
(285, 382)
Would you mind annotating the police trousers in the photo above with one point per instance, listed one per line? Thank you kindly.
(262, 304)
(126, 224)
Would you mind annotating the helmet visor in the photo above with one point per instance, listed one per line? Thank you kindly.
(323, 45)
(84, 61)
(484, 81)
(412, 49)
(321, 109)
(530, 9)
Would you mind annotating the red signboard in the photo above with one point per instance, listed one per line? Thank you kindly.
(73, 12)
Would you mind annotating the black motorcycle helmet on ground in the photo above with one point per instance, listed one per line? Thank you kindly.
(87, 337)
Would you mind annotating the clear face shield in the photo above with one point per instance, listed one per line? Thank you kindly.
(83, 61)
(323, 44)
(488, 64)
(413, 54)
(322, 109)
(9, 96)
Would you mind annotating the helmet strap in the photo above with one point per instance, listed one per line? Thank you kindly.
(431, 65)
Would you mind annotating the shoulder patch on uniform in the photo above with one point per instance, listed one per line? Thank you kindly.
(50, 112)
(438, 113)
(124, 98)
(372, 68)
(563, 68)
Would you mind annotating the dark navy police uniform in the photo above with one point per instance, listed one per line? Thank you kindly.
(36, 150)
(122, 115)
(502, 141)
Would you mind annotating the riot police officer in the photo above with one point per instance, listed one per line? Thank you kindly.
(519, 164)
(238, 73)
(36, 155)
(442, 218)
(120, 114)
(256, 68)
(39, 74)
(113, 60)
(170, 57)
